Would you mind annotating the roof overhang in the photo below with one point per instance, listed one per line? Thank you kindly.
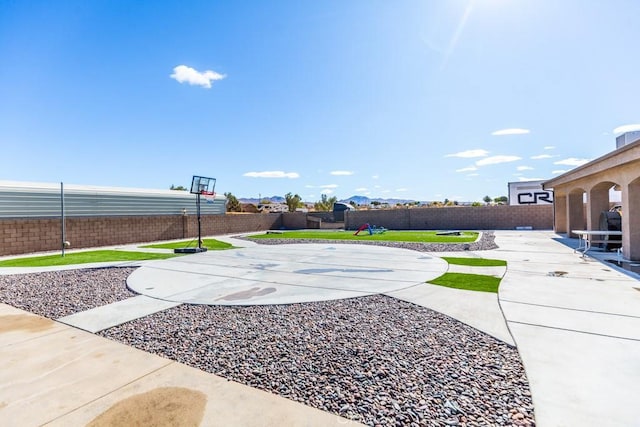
(623, 155)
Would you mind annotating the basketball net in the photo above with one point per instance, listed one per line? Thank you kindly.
(209, 196)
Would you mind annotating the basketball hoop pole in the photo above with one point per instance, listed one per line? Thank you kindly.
(62, 216)
(200, 185)
(199, 223)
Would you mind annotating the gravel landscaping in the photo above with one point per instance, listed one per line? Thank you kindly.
(484, 243)
(374, 359)
(56, 294)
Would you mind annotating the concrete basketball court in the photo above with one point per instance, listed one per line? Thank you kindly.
(254, 274)
(284, 274)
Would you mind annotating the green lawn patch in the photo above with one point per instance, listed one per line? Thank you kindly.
(476, 262)
(211, 244)
(82, 258)
(470, 282)
(394, 236)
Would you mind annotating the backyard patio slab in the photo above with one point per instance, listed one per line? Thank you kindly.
(58, 375)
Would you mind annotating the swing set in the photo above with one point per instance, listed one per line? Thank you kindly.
(371, 229)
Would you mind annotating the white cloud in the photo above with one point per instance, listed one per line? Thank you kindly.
(549, 147)
(401, 190)
(361, 189)
(541, 156)
(627, 128)
(522, 178)
(375, 177)
(341, 173)
(470, 153)
(524, 168)
(467, 169)
(558, 172)
(494, 160)
(474, 174)
(184, 74)
(326, 191)
(322, 186)
(512, 131)
(572, 161)
(272, 174)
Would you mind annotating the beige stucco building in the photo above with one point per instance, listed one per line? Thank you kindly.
(582, 194)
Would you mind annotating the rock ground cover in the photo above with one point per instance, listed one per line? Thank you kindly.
(374, 359)
(56, 294)
(484, 243)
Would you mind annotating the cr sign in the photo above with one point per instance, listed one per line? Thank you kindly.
(532, 198)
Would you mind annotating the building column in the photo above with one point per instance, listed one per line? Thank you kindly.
(575, 212)
(597, 201)
(560, 213)
(631, 220)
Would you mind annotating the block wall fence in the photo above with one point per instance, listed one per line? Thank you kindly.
(22, 235)
(501, 217)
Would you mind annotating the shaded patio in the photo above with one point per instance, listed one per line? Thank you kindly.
(582, 194)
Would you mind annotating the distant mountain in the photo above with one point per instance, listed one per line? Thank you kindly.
(359, 200)
(272, 199)
(364, 200)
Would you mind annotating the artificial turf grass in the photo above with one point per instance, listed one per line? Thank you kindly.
(83, 258)
(211, 244)
(389, 235)
(470, 282)
(476, 262)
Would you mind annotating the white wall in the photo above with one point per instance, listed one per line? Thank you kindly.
(529, 193)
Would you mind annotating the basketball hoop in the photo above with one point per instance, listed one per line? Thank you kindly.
(200, 186)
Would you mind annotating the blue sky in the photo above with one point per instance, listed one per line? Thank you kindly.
(421, 100)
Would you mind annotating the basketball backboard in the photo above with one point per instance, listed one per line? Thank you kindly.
(202, 184)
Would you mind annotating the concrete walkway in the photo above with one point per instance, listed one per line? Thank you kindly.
(576, 323)
(114, 314)
(57, 375)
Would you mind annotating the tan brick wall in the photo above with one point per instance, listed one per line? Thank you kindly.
(294, 220)
(19, 236)
(503, 217)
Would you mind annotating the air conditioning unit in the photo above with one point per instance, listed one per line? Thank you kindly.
(627, 138)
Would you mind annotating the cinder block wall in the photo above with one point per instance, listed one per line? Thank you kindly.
(503, 217)
(225, 224)
(20, 236)
(324, 216)
(294, 220)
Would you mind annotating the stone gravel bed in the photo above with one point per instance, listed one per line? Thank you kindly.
(374, 359)
(56, 294)
(484, 243)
